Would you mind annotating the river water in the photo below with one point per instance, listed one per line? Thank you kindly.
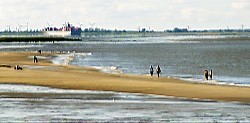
(186, 60)
(229, 60)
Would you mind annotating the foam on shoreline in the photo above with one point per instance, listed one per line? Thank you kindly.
(67, 57)
(108, 69)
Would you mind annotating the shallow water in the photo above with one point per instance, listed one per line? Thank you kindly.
(229, 60)
(57, 105)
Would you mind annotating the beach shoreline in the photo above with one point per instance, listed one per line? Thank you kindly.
(81, 78)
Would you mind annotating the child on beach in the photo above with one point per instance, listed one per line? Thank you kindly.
(158, 70)
(151, 70)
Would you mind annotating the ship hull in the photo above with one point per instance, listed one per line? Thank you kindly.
(57, 33)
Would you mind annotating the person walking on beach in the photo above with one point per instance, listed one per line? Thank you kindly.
(151, 70)
(211, 74)
(35, 59)
(158, 70)
(206, 74)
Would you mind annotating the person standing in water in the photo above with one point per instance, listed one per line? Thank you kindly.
(158, 70)
(211, 74)
(151, 70)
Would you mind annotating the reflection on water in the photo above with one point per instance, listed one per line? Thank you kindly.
(35, 103)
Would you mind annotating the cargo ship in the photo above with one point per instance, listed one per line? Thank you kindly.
(66, 30)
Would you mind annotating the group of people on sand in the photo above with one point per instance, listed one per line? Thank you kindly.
(35, 60)
(158, 70)
(208, 74)
(17, 67)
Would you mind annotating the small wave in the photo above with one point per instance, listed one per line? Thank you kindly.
(40, 89)
(108, 69)
(65, 59)
(19, 88)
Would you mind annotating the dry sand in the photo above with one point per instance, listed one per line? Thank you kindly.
(72, 77)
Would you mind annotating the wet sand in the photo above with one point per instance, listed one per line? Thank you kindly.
(80, 78)
(45, 104)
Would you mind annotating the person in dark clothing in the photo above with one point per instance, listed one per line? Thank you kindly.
(158, 70)
(151, 70)
(17, 67)
(206, 74)
(211, 74)
(39, 51)
(35, 59)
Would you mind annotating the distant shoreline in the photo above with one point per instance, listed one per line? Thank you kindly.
(37, 39)
(131, 34)
(216, 39)
(59, 39)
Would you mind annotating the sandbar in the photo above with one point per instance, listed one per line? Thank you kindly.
(82, 78)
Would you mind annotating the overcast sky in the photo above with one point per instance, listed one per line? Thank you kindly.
(127, 14)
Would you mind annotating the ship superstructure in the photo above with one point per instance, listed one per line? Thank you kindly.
(66, 30)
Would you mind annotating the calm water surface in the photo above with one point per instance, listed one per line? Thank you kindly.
(58, 105)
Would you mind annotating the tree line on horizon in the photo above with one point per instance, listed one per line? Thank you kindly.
(142, 30)
(181, 30)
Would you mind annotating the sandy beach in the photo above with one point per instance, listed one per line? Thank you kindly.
(45, 73)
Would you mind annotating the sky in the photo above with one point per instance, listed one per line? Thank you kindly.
(126, 14)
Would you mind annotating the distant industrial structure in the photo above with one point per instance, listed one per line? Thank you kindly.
(66, 30)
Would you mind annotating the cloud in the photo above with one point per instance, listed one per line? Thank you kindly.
(192, 12)
(240, 4)
(126, 14)
(178, 1)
